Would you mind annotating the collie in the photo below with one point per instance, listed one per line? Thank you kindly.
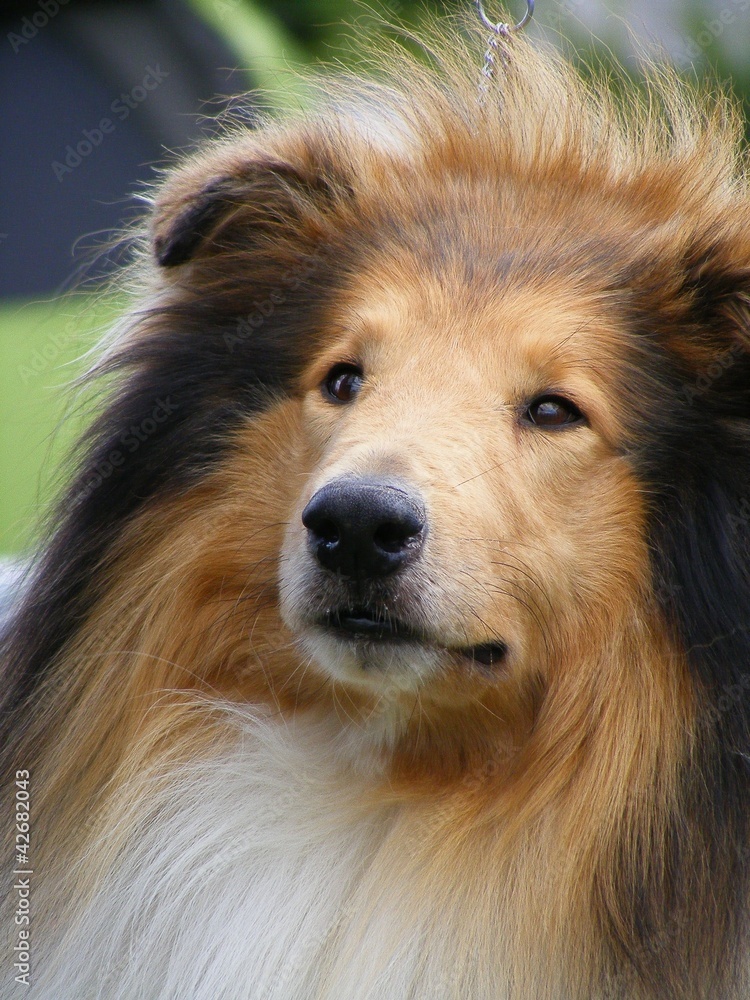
(392, 640)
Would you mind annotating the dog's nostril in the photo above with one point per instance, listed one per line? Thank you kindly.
(328, 532)
(393, 536)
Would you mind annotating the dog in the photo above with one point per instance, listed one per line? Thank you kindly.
(391, 640)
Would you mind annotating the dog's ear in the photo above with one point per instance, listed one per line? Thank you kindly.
(181, 225)
(718, 279)
(199, 204)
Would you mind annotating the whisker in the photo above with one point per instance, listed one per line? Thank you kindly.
(486, 472)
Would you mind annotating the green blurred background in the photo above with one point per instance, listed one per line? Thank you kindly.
(45, 330)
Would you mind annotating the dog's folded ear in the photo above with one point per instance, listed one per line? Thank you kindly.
(718, 275)
(177, 236)
(199, 203)
(700, 282)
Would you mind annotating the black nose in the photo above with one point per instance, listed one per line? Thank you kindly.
(364, 528)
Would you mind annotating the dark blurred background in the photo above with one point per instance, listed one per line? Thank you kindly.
(96, 94)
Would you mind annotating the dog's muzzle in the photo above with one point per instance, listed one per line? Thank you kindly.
(364, 535)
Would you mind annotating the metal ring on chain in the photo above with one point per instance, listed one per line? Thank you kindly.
(502, 28)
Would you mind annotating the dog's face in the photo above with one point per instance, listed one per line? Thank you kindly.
(462, 495)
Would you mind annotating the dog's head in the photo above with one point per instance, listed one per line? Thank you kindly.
(516, 377)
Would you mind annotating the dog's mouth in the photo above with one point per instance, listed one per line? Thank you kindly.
(369, 625)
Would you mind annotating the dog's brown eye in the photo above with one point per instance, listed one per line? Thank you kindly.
(343, 382)
(553, 411)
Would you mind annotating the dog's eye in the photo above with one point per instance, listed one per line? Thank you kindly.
(553, 411)
(343, 382)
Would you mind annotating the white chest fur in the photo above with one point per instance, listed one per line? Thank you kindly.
(276, 873)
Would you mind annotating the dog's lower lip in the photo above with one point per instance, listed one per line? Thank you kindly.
(362, 623)
(366, 624)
